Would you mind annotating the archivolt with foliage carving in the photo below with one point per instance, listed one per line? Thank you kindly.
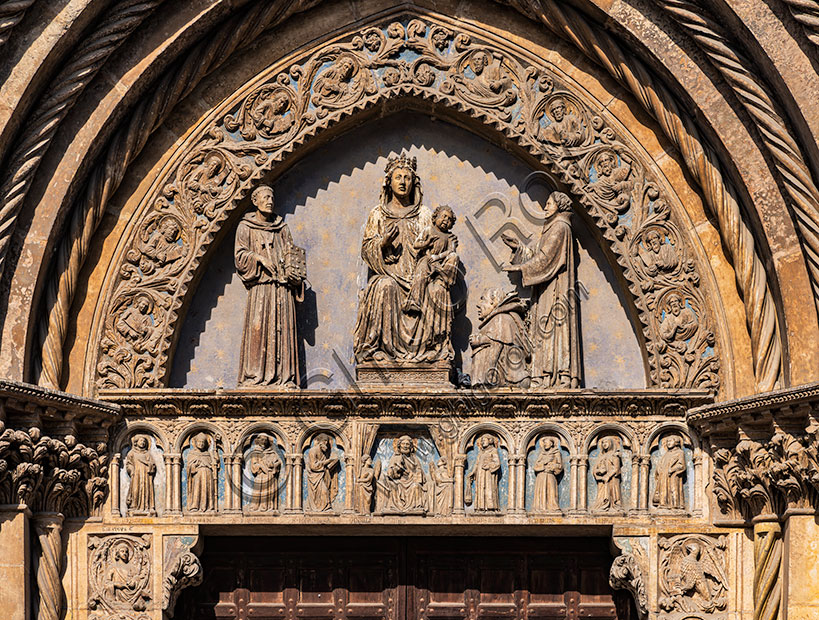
(245, 138)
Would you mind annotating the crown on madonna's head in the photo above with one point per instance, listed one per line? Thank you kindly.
(409, 163)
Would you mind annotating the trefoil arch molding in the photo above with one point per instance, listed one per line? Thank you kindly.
(401, 58)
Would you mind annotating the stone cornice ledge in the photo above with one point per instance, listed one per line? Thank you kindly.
(790, 398)
(52, 406)
(405, 402)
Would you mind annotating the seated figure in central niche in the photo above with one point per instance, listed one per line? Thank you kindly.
(395, 325)
(403, 484)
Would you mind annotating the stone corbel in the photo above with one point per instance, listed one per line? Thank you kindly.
(629, 571)
(182, 569)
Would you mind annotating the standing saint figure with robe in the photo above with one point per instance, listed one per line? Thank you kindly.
(366, 485)
(272, 270)
(607, 473)
(387, 325)
(443, 482)
(668, 477)
(201, 470)
(141, 468)
(265, 464)
(486, 475)
(322, 475)
(550, 269)
(547, 467)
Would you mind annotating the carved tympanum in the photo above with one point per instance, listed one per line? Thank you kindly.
(486, 80)
(669, 476)
(265, 465)
(485, 476)
(273, 270)
(692, 574)
(548, 465)
(119, 577)
(550, 269)
(406, 311)
(607, 472)
(501, 349)
(141, 469)
(322, 467)
(202, 474)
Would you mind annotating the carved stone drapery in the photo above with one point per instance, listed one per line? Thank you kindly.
(247, 137)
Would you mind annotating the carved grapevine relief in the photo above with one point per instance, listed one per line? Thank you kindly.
(119, 577)
(692, 573)
(417, 59)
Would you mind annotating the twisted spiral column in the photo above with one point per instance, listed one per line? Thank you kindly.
(48, 528)
(701, 161)
(767, 568)
(56, 103)
(754, 96)
(806, 12)
(11, 12)
(154, 107)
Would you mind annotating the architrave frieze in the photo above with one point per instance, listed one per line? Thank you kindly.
(210, 439)
(296, 100)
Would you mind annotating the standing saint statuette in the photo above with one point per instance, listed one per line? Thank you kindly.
(547, 467)
(550, 270)
(202, 470)
(273, 271)
(607, 473)
(486, 475)
(322, 468)
(265, 465)
(141, 468)
(668, 477)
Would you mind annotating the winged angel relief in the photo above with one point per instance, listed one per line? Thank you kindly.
(412, 59)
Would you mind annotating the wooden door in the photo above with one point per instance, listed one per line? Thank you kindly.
(298, 578)
(404, 579)
(497, 578)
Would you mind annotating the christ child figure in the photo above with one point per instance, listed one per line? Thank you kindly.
(435, 246)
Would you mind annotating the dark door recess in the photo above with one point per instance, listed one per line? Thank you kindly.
(360, 578)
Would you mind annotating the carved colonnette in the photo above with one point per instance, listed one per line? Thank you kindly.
(473, 77)
(765, 453)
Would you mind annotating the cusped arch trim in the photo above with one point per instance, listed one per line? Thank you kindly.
(283, 109)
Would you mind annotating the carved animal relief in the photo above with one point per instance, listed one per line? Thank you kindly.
(287, 106)
(692, 574)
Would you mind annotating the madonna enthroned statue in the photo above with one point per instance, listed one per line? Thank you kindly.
(399, 321)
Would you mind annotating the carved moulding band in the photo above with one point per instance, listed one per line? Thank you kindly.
(249, 134)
